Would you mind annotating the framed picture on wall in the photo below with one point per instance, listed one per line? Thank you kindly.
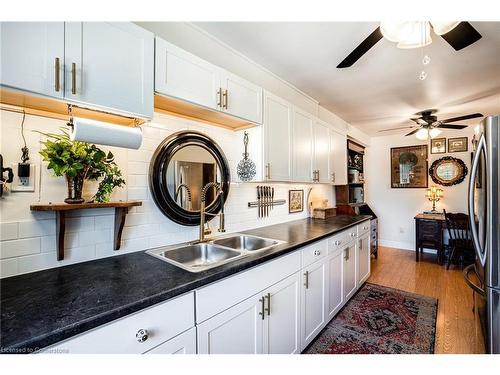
(458, 144)
(438, 146)
(409, 167)
(295, 201)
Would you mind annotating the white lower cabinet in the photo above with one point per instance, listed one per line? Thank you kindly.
(313, 300)
(237, 330)
(335, 283)
(364, 260)
(350, 279)
(185, 343)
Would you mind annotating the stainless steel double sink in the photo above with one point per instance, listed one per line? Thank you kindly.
(197, 257)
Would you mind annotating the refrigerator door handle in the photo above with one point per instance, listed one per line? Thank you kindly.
(481, 253)
(467, 270)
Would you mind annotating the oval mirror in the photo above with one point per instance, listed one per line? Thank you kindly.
(181, 166)
(448, 171)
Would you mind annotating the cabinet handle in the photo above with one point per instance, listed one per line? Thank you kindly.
(333, 177)
(142, 335)
(219, 97)
(317, 252)
(224, 99)
(268, 297)
(360, 245)
(57, 72)
(346, 254)
(353, 234)
(268, 171)
(262, 307)
(337, 242)
(73, 78)
(306, 282)
(317, 175)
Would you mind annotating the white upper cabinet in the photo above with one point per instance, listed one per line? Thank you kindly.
(110, 65)
(302, 146)
(277, 138)
(32, 57)
(241, 98)
(321, 152)
(338, 158)
(185, 76)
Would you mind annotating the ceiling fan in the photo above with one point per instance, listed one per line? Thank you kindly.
(428, 125)
(414, 34)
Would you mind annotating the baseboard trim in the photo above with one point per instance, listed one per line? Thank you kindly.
(403, 246)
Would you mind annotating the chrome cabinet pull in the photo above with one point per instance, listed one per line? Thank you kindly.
(224, 99)
(142, 335)
(57, 78)
(337, 242)
(219, 97)
(306, 282)
(268, 297)
(268, 171)
(346, 253)
(73, 78)
(317, 175)
(333, 177)
(317, 252)
(262, 307)
(360, 245)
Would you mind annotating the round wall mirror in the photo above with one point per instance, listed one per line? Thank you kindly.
(181, 166)
(448, 171)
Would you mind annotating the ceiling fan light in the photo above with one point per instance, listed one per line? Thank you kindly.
(422, 134)
(435, 132)
(395, 31)
(420, 36)
(441, 28)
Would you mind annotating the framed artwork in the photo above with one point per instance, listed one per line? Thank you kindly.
(409, 167)
(458, 144)
(438, 146)
(295, 201)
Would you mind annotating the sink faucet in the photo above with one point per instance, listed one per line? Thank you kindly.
(220, 195)
(188, 191)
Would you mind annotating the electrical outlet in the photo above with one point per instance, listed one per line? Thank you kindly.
(23, 183)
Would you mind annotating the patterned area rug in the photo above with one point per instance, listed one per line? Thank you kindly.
(380, 320)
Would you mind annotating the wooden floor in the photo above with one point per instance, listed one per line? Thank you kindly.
(457, 330)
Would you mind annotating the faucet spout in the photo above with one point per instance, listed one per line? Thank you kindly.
(220, 195)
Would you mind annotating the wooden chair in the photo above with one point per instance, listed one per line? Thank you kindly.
(460, 237)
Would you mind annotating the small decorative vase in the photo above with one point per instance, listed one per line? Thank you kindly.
(75, 188)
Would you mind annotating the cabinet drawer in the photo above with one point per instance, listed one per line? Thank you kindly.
(363, 228)
(314, 252)
(338, 242)
(162, 322)
(351, 233)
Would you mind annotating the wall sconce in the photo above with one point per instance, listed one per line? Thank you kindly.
(434, 194)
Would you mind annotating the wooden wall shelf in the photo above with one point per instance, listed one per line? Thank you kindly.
(121, 210)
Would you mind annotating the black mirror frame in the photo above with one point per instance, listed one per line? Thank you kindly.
(159, 163)
(456, 181)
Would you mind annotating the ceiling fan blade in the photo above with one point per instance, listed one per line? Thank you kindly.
(460, 118)
(412, 132)
(403, 127)
(363, 48)
(450, 126)
(461, 36)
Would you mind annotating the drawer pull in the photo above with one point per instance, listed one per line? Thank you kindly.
(268, 297)
(262, 308)
(306, 282)
(337, 242)
(142, 335)
(353, 234)
(365, 228)
(317, 252)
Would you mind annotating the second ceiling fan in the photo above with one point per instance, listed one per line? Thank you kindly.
(414, 34)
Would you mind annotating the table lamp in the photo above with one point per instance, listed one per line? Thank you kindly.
(434, 194)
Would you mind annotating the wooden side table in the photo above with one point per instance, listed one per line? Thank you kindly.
(429, 234)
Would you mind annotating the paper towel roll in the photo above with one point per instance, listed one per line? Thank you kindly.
(91, 131)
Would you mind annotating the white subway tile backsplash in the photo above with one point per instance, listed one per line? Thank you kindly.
(137, 167)
(104, 222)
(137, 193)
(8, 231)
(8, 267)
(17, 248)
(36, 228)
(92, 238)
(79, 224)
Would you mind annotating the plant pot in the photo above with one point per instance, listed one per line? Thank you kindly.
(75, 188)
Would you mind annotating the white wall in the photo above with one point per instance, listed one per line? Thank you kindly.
(28, 238)
(396, 208)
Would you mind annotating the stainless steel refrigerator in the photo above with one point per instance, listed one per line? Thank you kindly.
(484, 208)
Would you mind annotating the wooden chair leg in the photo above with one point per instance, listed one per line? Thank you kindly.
(450, 259)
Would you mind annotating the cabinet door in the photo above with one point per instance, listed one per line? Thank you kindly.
(321, 151)
(363, 255)
(237, 330)
(313, 301)
(110, 65)
(282, 323)
(28, 53)
(185, 76)
(338, 158)
(241, 98)
(277, 138)
(185, 343)
(350, 279)
(302, 148)
(335, 283)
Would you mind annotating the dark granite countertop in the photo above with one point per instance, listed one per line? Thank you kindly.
(41, 308)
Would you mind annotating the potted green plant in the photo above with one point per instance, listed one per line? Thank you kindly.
(80, 161)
